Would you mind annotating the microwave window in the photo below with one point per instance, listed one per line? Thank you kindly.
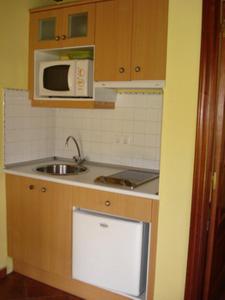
(56, 78)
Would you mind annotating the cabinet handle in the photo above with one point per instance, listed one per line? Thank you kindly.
(57, 38)
(121, 70)
(137, 69)
(107, 203)
(31, 187)
(63, 37)
(43, 189)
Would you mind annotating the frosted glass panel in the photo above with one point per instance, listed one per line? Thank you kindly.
(78, 24)
(47, 29)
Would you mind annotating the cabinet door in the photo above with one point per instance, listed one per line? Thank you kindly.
(149, 39)
(55, 227)
(39, 223)
(46, 29)
(23, 214)
(113, 40)
(79, 25)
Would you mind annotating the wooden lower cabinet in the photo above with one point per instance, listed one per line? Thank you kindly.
(39, 217)
(39, 223)
(130, 207)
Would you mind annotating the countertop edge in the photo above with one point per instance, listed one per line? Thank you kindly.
(85, 185)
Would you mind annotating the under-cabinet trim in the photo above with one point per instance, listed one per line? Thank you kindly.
(73, 104)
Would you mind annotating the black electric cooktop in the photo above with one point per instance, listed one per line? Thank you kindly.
(128, 178)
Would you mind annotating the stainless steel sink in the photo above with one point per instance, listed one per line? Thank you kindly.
(61, 169)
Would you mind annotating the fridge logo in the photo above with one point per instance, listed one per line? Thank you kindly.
(104, 225)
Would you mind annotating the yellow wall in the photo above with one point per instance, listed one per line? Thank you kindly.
(13, 73)
(177, 152)
(179, 118)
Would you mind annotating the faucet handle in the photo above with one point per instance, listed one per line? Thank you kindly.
(79, 160)
(76, 158)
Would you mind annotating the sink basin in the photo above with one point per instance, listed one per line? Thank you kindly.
(61, 169)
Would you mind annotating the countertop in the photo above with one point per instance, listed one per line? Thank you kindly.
(148, 190)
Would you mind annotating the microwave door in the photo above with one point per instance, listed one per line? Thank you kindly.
(62, 79)
(56, 79)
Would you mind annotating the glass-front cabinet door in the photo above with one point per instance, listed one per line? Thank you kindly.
(79, 24)
(63, 27)
(45, 28)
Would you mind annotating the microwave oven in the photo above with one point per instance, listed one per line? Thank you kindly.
(66, 78)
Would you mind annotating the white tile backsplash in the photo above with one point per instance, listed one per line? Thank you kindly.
(128, 135)
(29, 131)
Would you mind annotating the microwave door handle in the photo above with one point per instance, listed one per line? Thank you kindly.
(71, 78)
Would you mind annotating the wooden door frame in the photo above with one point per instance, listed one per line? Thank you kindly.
(203, 165)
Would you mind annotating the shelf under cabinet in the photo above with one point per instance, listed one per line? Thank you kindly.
(85, 104)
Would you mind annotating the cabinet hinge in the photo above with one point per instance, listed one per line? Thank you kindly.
(214, 181)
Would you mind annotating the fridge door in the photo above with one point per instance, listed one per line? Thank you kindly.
(110, 252)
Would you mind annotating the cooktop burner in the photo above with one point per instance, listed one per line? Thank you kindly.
(128, 178)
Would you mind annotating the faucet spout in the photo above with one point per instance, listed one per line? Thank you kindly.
(77, 159)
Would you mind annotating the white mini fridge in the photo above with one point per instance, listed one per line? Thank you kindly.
(110, 252)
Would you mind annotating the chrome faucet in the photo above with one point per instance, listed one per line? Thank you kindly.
(78, 159)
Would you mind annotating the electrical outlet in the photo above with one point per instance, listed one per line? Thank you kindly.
(117, 139)
(123, 139)
(127, 139)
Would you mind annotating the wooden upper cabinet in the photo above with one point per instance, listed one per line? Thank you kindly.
(79, 25)
(113, 40)
(149, 42)
(131, 40)
(63, 27)
(45, 29)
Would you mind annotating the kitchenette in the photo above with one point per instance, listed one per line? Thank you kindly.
(82, 149)
(41, 157)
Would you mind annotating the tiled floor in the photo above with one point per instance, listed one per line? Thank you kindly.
(19, 287)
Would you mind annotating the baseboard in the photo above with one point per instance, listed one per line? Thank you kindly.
(66, 283)
(2, 273)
